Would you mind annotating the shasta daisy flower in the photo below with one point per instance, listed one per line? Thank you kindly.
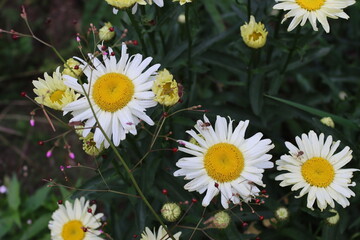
(119, 91)
(52, 92)
(313, 10)
(161, 234)
(224, 161)
(75, 221)
(313, 167)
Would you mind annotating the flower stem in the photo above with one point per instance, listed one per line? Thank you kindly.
(136, 25)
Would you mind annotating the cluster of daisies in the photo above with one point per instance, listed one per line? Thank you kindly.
(109, 96)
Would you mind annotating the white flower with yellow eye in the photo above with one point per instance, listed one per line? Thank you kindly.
(224, 161)
(313, 10)
(119, 92)
(76, 221)
(313, 167)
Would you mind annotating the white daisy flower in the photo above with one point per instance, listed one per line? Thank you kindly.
(224, 161)
(161, 234)
(119, 91)
(159, 3)
(313, 10)
(314, 168)
(76, 221)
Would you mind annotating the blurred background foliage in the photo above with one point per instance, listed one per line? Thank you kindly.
(283, 89)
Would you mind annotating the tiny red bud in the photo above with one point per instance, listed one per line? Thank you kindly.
(14, 36)
(60, 202)
(85, 229)
(263, 191)
(152, 22)
(165, 114)
(257, 238)
(92, 202)
(257, 200)
(194, 200)
(174, 150)
(216, 185)
(261, 218)
(89, 210)
(23, 94)
(76, 67)
(135, 42)
(245, 224)
(40, 143)
(111, 29)
(164, 191)
(103, 48)
(112, 53)
(135, 236)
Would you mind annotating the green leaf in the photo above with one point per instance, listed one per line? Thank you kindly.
(337, 119)
(36, 227)
(13, 195)
(256, 94)
(36, 200)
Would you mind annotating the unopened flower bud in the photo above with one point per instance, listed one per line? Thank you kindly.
(328, 122)
(282, 214)
(221, 220)
(333, 219)
(254, 34)
(181, 18)
(171, 212)
(71, 68)
(107, 32)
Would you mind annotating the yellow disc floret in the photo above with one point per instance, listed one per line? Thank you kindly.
(254, 34)
(318, 172)
(73, 230)
(57, 96)
(224, 162)
(52, 91)
(113, 91)
(311, 5)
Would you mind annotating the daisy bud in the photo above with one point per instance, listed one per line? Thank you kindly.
(171, 212)
(107, 32)
(89, 146)
(328, 122)
(342, 95)
(333, 220)
(221, 220)
(71, 68)
(282, 214)
(181, 19)
(254, 34)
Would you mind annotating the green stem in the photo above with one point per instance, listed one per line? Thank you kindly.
(136, 25)
(291, 51)
(188, 33)
(249, 9)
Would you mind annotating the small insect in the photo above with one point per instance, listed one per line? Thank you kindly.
(299, 154)
(205, 125)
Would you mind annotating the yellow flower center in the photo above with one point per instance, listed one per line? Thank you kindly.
(255, 36)
(224, 162)
(113, 91)
(72, 230)
(311, 5)
(318, 172)
(167, 89)
(57, 96)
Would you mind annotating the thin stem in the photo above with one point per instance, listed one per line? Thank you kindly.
(249, 8)
(188, 33)
(136, 25)
(291, 52)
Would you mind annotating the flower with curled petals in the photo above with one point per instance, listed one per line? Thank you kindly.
(224, 161)
(313, 167)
